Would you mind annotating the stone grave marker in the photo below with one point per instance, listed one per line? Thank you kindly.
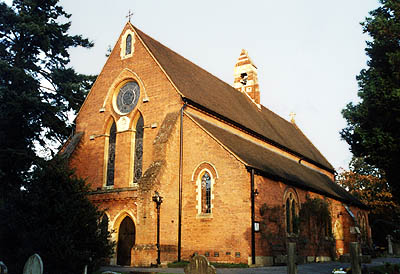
(355, 258)
(33, 265)
(3, 268)
(389, 238)
(199, 265)
(291, 262)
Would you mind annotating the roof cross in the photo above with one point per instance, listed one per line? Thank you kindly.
(292, 115)
(129, 15)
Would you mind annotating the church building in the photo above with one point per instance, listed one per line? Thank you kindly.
(184, 163)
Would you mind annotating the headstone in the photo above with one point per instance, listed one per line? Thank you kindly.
(199, 265)
(291, 263)
(390, 244)
(33, 265)
(3, 268)
(355, 258)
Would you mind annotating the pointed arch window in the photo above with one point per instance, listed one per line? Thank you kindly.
(291, 205)
(111, 155)
(363, 227)
(128, 44)
(138, 150)
(206, 193)
(205, 176)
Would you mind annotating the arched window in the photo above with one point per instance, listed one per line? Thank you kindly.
(138, 150)
(291, 205)
(362, 221)
(111, 155)
(128, 44)
(206, 193)
(205, 176)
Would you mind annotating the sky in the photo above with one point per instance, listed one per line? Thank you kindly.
(308, 52)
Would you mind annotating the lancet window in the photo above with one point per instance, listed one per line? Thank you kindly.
(138, 149)
(291, 208)
(206, 193)
(205, 176)
(128, 44)
(111, 155)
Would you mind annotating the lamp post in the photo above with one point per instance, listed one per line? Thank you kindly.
(158, 200)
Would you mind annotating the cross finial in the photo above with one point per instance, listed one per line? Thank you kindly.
(292, 115)
(129, 15)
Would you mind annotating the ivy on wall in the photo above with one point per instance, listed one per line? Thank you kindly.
(313, 223)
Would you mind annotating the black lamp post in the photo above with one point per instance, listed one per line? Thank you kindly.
(158, 200)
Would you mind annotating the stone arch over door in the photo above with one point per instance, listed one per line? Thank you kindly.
(126, 240)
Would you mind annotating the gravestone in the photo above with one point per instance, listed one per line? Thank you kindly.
(355, 258)
(291, 263)
(33, 265)
(390, 245)
(3, 268)
(199, 265)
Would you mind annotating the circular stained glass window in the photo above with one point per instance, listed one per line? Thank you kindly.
(128, 97)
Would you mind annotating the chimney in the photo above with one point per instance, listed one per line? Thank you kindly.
(245, 75)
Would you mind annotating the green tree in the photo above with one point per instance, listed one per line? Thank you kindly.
(369, 185)
(38, 92)
(373, 124)
(43, 206)
(53, 217)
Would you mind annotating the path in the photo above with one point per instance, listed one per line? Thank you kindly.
(313, 268)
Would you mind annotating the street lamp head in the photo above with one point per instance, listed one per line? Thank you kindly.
(157, 198)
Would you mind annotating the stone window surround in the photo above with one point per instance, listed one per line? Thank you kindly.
(197, 175)
(123, 44)
(291, 194)
(109, 123)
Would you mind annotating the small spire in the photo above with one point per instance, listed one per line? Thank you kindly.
(129, 15)
(292, 115)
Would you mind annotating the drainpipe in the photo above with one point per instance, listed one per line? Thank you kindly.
(253, 236)
(180, 184)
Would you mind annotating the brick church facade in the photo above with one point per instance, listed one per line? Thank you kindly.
(232, 174)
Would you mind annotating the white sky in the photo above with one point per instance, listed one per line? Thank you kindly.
(308, 52)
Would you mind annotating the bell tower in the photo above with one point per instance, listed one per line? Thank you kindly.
(245, 77)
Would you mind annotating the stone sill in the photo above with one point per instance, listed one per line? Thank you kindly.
(204, 216)
(113, 190)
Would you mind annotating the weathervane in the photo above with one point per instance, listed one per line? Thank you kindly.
(129, 15)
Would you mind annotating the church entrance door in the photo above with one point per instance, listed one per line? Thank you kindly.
(126, 240)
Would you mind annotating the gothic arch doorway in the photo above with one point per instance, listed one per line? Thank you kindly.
(126, 240)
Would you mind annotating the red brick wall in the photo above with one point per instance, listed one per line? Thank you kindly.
(226, 232)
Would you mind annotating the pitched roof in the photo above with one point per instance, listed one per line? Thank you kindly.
(276, 166)
(204, 90)
(70, 145)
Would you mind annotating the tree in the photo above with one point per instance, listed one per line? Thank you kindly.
(38, 92)
(53, 217)
(43, 206)
(369, 185)
(373, 124)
